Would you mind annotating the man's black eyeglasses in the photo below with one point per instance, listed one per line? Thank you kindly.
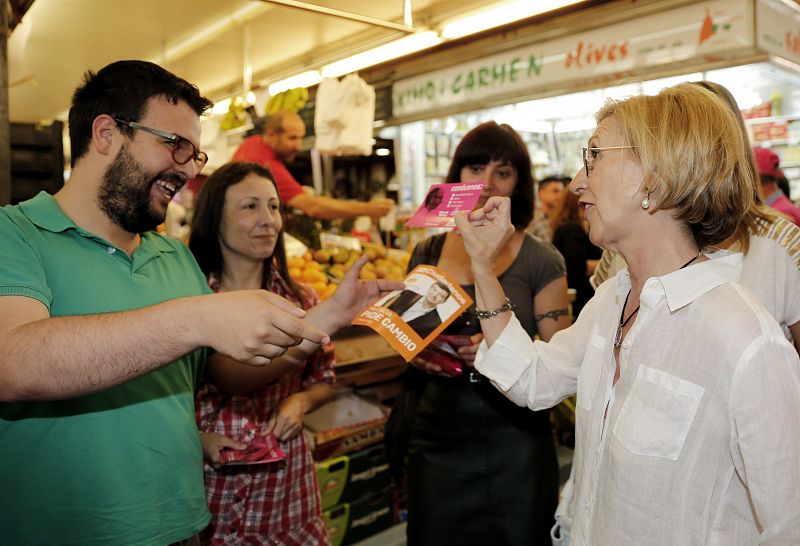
(182, 149)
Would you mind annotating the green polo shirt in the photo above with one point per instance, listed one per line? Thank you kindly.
(121, 466)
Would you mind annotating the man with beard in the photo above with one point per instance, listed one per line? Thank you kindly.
(282, 138)
(103, 325)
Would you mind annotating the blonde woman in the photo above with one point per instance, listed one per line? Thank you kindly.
(769, 242)
(687, 391)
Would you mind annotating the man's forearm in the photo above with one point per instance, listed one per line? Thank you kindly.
(327, 208)
(324, 316)
(64, 357)
(235, 378)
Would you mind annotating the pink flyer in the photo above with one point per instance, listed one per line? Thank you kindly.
(443, 201)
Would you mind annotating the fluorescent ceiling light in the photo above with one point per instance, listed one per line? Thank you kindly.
(382, 152)
(575, 125)
(523, 123)
(392, 50)
(221, 107)
(653, 87)
(304, 79)
(500, 15)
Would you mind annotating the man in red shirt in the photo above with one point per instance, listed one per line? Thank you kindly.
(279, 145)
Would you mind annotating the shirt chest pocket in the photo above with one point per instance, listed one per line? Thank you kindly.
(591, 369)
(657, 414)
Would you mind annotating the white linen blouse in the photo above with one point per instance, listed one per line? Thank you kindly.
(698, 443)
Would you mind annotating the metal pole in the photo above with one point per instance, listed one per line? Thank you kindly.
(341, 14)
(5, 127)
(316, 171)
(407, 16)
(247, 68)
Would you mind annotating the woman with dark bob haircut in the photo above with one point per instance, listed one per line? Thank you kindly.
(491, 141)
(480, 469)
(688, 393)
(237, 238)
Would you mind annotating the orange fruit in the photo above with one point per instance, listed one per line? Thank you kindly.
(319, 287)
(329, 290)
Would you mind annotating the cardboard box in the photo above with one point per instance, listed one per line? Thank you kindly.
(354, 521)
(349, 477)
(347, 423)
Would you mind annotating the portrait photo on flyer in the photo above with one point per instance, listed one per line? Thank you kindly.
(410, 319)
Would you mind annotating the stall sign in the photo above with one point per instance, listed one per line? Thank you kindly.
(778, 29)
(699, 30)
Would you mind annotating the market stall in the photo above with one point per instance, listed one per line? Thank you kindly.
(548, 89)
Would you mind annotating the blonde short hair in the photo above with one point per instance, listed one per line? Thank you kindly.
(692, 154)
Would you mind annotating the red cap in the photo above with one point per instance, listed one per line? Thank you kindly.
(767, 162)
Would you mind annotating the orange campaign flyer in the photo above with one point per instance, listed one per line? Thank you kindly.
(410, 319)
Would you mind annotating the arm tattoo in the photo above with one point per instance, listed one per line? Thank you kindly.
(554, 314)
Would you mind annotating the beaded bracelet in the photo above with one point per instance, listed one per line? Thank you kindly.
(507, 306)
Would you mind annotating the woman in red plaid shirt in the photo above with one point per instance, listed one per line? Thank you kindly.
(257, 413)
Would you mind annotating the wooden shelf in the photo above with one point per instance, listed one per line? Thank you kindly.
(775, 142)
(37, 159)
(358, 344)
(769, 119)
(365, 358)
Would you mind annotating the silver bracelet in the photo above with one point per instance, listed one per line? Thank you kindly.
(507, 306)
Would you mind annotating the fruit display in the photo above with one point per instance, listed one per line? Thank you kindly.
(236, 116)
(323, 269)
(291, 99)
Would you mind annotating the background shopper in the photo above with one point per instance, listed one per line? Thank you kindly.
(768, 164)
(549, 191)
(278, 145)
(571, 239)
